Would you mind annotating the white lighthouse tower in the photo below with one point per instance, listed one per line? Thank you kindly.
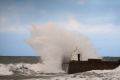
(75, 54)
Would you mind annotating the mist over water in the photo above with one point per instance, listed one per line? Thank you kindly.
(56, 45)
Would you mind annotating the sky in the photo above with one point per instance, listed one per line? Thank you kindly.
(99, 20)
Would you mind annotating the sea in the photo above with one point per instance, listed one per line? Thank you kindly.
(27, 68)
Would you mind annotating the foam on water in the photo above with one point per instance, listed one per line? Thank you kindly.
(5, 69)
(90, 75)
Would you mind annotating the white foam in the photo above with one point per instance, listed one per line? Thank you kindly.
(5, 70)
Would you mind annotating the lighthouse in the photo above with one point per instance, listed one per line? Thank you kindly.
(76, 55)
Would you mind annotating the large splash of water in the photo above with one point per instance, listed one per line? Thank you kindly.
(56, 44)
